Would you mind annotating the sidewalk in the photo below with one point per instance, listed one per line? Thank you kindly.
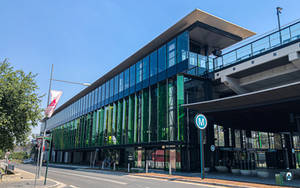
(212, 178)
(207, 181)
(24, 179)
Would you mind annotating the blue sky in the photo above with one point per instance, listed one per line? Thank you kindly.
(84, 39)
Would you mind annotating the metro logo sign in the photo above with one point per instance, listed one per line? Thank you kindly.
(55, 96)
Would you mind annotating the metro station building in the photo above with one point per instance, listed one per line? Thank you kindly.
(144, 109)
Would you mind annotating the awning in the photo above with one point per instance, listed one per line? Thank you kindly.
(281, 94)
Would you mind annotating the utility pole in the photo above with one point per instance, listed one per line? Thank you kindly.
(44, 134)
(278, 10)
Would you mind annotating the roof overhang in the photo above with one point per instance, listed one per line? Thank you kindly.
(204, 28)
(285, 93)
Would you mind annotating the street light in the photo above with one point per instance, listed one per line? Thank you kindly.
(278, 10)
(69, 82)
(43, 143)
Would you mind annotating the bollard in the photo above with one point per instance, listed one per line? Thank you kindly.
(146, 167)
(102, 165)
(114, 166)
(128, 167)
(170, 169)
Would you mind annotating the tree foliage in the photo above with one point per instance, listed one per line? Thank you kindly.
(19, 105)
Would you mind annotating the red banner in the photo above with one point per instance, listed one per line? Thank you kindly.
(55, 96)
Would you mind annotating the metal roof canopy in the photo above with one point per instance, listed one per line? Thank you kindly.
(209, 30)
(285, 93)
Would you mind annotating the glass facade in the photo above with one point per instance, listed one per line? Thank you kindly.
(142, 105)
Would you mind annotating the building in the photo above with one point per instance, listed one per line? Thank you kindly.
(144, 109)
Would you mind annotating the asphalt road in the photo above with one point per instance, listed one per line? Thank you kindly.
(106, 179)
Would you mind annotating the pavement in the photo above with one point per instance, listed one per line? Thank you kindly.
(83, 176)
(25, 179)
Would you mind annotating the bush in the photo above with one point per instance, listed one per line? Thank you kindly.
(2, 154)
(19, 155)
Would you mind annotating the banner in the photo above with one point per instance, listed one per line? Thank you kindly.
(55, 96)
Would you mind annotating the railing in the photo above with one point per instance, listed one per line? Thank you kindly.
(199, 64)
(263, 44)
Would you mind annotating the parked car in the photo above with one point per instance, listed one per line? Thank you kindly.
(28, 161)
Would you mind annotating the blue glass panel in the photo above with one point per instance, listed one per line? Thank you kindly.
(182, 46)
(132, 75)
(153, 63)
(121, 81)
(171, 53)
(116, 84)
(162, 59)
(261, 45)
(111, 87)
(126, 79)
(193, 59)
(139, 71)
(295, 31)
(146, 68)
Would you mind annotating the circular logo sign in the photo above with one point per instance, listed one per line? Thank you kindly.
(200, 121)
(289, 176)
(212, 148)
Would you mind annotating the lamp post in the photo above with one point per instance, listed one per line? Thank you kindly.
(278, 10)
(44, 134)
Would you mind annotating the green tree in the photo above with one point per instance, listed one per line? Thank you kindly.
(19, 105)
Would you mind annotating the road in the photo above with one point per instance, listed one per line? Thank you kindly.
(106, 179)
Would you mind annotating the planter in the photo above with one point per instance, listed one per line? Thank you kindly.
(235, 171)
(246, 172)
(262, 174)
(221, 168)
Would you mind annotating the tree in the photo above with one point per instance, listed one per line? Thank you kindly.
(19, 105)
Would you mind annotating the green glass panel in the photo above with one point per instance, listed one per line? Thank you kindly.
(94, 134)
(180, 109)
(135, 119)
(125, 121)
(153, 114)
(130, 129)
(109, 125)
(114, 124)
(162, 118)
(171, 110)
(119, 122)
(101, 119)
(145, 115)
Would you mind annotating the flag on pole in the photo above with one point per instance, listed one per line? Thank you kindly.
(55, 96)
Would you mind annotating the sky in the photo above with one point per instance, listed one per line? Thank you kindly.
(85, 39)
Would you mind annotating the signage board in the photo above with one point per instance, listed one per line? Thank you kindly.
(200, 121)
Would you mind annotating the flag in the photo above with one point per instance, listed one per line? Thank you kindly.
(55, 96)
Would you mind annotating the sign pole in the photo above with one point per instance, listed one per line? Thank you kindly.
(201, 123)
(49, 153)
(201, 155)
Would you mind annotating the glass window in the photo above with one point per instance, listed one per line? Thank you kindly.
(107, 90)
(162, 59)
(111, 87)
(103, 92)
(182, 46)
(153, 63)
(116, 84)
(96, 95)
(121, 81)
(85, 102)
(99, 94)
(132, 75)
(139, 73)
(92, 97)
(146, 68)
(126, 78)
(171, 53)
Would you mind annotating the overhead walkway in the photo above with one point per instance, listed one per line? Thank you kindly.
(270, 61)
